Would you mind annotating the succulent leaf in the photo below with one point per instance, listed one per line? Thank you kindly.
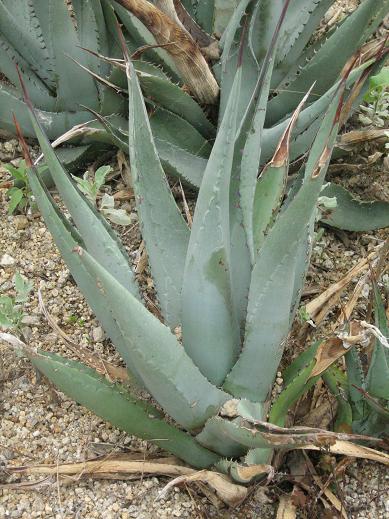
(67, 240)
(270, 187)
(276, 264)
(235, 31)
(55, 123)
(377, 378)
(303, 18)
(206, 292)
(308, 122)
(328, 62)
(292, 392)
(161, 362)
(115, 404)
(164, 230)
(337, 384)
(88, 34)
(65, 43)
(251, 158)
(98, 236)
(174, 99)
(351, 214)
(356, 381)
(12, 17)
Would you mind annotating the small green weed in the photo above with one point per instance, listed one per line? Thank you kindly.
(74, 319)
(20, 195)
(91, 189)
(376, 112)
(11, 307)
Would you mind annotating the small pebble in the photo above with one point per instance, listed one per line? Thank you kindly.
(20, 222)
(7, 260)
(97, 334)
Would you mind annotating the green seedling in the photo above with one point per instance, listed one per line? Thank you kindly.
(20, 195)
(74, 319)
(11, 307)
(376, 113)
(91, 189)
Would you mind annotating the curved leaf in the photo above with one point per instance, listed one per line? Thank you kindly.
(337, 384)
(163, 227)
(327, 63)
(303, 18)
(54, 123)
(251, 157)
(65, 43)
(351, 214)
(67, 239)
(168, 126)
(210, 330)
(114, 403)
(271, 292)
(24, 40)
(98, 236)
(171, 97)
(161, 362)
(9, 58)
(377, 378)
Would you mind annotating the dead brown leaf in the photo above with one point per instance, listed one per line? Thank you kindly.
(124, 168)
(117, 467)
(299, 498)
(180, 45)
(327, 354)
(319, 307)
(124, 195)
(324, 490)
(353, 450)
(286, 508)
(142, 259)
(247, 474)
(230, 493)
(358, 136)
(322, 415)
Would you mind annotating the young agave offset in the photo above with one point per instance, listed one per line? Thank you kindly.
(232, 281)
(363, 398)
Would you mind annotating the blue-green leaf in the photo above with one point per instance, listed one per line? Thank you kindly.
(116, 404)
(351, 214)
(210, 330)
(271, 292)
(159, 359)
(98, 237)
(377, 378)
(164, 230)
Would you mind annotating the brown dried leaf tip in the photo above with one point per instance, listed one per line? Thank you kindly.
(180, 45)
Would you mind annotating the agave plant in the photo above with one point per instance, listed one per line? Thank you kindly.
(172, 36)
(44, 40)
(363, 394)
(298, 62)
(169, 40)
(231, 283)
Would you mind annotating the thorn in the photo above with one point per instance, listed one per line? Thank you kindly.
(23, 143)
(24, 89)
(122, 41)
